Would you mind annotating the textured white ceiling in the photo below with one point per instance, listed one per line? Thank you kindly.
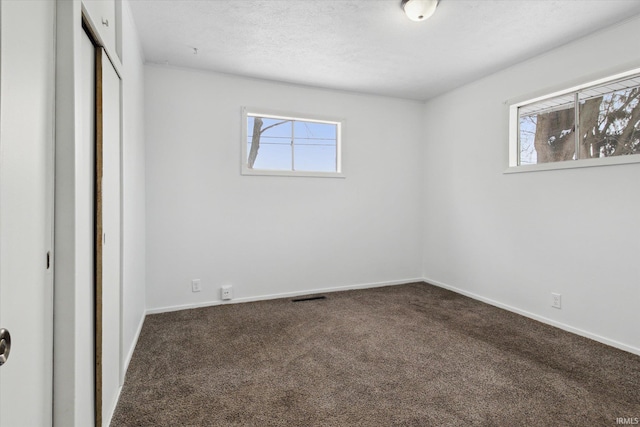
(365, 46)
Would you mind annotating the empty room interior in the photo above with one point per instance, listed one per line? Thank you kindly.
(320, 213)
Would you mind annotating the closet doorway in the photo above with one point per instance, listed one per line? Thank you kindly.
(101, 124)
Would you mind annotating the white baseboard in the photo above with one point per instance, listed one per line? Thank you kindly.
(537, 317)
(472, 295)
(123, 371)
(282, 295)
(127, 360)
(106, 421)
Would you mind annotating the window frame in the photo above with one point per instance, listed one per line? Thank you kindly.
(514, 131)
(280, 115)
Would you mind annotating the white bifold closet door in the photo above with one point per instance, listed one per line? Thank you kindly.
(111, 238)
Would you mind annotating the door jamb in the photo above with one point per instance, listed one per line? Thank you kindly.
(98, 231)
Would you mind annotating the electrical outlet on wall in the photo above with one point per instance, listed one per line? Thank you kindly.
(226, 292)
(195, 285)
(556, 300)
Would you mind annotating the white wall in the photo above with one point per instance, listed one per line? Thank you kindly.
(513, 239)
(73, 254)
(274, 235)
(133, 190)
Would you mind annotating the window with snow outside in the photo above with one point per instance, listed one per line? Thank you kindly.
(597, 121)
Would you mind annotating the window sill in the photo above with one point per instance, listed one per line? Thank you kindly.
(572, 164)
(304, 174)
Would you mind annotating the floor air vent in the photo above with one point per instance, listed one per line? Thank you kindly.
(308, 299)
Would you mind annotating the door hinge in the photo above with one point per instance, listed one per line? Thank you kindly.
(48, 259)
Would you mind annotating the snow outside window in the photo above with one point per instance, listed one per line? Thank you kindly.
(590, 125)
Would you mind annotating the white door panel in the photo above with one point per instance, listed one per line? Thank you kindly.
(26, 144)
(111, 238)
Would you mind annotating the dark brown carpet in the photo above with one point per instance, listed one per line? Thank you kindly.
(409, 355)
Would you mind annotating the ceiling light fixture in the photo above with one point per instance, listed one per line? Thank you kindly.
(419, 10)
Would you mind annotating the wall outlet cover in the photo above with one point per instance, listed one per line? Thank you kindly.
(556, 300)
